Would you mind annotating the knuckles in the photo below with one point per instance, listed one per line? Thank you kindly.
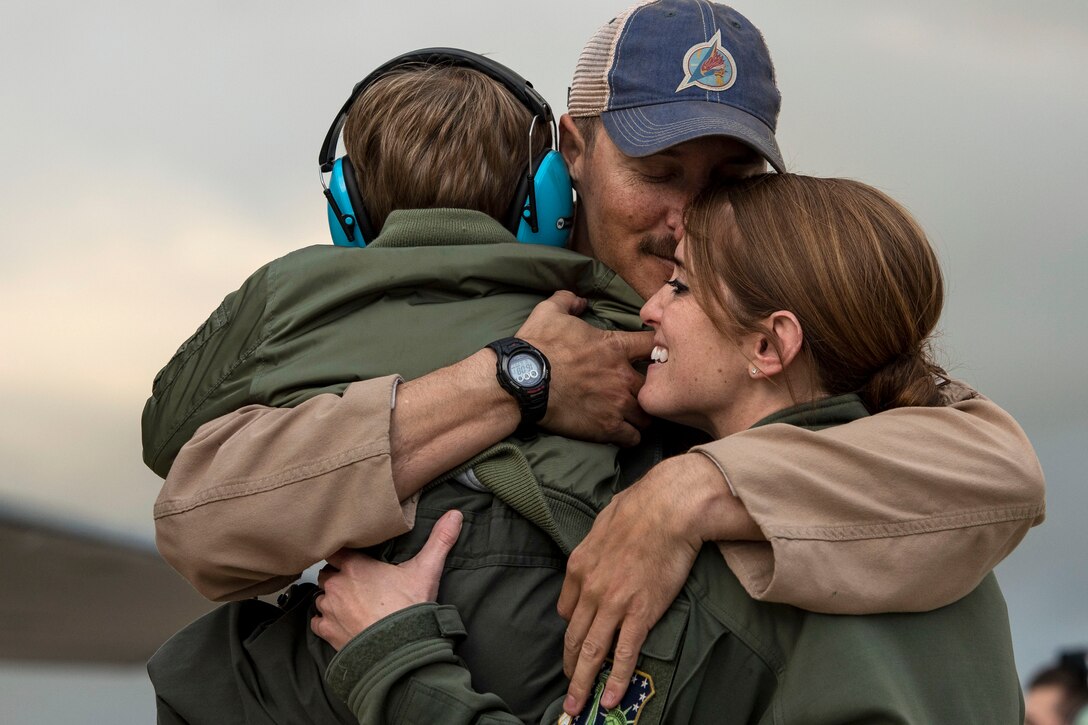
(572, 643)
(625, 652)
(591, 649)
(577, 563)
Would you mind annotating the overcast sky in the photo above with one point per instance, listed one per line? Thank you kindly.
(155, 154)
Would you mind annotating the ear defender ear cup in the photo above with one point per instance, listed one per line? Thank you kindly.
(348, 220)
(552, 196)
(341, 213)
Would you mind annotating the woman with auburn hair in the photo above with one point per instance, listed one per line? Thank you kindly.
(787, 290)
(794, 300)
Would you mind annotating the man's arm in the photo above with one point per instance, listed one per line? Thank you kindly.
(904, 511)
(445, 418)
(259, 495)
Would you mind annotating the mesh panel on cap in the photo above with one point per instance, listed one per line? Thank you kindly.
(589, 89)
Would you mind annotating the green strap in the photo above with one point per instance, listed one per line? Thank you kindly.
(504, 469)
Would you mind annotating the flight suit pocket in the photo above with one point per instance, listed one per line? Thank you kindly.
(663, 641)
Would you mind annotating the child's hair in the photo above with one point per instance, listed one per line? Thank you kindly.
(427, 136)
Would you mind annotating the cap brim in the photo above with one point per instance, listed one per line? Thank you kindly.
(647, 130)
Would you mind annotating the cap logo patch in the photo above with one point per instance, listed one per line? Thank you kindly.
(709, 66)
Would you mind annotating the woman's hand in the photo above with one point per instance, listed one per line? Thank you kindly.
(634, 562)
(360, 590)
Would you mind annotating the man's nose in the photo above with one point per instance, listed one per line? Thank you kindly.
(674, 219)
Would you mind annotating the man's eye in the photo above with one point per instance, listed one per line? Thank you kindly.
(678, 287)
(657, 178)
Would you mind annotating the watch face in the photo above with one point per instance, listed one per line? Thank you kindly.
(525, 369)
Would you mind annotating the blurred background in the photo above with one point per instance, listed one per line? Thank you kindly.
(155, 154)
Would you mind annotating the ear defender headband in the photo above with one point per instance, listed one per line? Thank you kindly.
(542, 209)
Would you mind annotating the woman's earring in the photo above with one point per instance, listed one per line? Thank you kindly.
(755, 372)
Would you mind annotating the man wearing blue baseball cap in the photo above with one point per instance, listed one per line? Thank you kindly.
(667, 97)
(684, 92)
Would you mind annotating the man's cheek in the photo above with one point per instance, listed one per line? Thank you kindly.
(653, 274)
(664, 270)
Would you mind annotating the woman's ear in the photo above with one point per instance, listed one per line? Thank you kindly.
(769, 358)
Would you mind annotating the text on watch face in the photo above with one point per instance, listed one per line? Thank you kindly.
(525, 370)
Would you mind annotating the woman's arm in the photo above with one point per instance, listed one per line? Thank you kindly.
(903, 511)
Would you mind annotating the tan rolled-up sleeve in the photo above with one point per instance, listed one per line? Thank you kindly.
(259, 495)
(903, 511)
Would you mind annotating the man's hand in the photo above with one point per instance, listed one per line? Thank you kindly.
(360, 590)
(634, 562)
(594, 389)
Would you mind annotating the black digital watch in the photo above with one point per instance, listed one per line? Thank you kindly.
(524, 372)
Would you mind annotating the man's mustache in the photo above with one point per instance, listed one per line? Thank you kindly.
(658, 245)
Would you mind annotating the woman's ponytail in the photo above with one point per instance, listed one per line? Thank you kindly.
(910, 379)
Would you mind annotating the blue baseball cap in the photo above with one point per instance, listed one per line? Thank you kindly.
(668, 71)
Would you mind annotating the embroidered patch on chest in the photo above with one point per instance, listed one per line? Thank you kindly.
(639, 692)
(709, 66)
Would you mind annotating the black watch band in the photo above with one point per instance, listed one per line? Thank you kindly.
(524, 372)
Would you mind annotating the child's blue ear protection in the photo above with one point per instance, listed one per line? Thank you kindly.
(350, 228)
(542, 209)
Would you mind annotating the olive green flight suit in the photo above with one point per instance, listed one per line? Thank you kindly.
(442, 281)
(718, 656)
